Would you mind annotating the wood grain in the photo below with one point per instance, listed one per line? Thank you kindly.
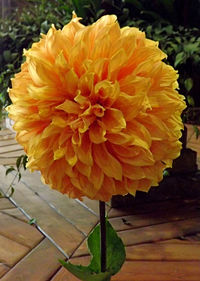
(39, 264)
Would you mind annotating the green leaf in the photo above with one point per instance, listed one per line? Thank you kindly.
(114, 249)
(166, 173)
(190, 100)
(14, 55)
(18, 162)
(197, 131)
(169, 29)
(79, 8)
(191, 47)
(178, 39)
(188, 84)
(19, 176)
(7, 55)
(114, 259)
(11, 192)
(32, 221)
(44, 26)
(9, 170)
(84, 273)
(180, 57)
(25, 160)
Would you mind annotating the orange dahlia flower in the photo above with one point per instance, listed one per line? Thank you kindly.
(97, 110)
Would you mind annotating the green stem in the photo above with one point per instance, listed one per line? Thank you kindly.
(103, 235)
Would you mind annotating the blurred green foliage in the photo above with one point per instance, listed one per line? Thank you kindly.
(23, 28)
(174, 23)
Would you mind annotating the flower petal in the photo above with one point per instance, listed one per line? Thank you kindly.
(69, 107)
(113, 120)
(108, 164)
(96, 176)
(97, 133)
(84, 151)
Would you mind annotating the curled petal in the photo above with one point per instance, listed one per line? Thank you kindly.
(119, 138)
(59, 121)
(97, 133)
(69, 107)
(70, 154)
(59, 153)
(114, 120)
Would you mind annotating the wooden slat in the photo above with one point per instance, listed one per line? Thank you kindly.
(150, 207)
(193, 142)
(8, 161)
(39, 264)
(5, 204)
(140, 220)
(91, 204)
(15, 213)
(6, 132)
(177, 241)
(195, 147)
(9, 148)
(3, 269)
(7, 142)
(72, 209)
(164, 252)
(19, 231)
(160, 232)
(152, 233)
(7, 137)
(10, 251)
(62, 231)
(60, 201)
(12, 154)
(94, 205)
(194, 237)
(82, 250)
(158, 271)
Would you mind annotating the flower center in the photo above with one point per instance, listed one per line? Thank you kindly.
(98, 110)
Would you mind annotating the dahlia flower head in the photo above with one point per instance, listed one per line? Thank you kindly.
(96, 109)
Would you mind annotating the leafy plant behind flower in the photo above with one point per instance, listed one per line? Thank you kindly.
(20, 30)
(183, 48)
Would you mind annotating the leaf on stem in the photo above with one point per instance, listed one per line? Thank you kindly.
(84, 273)
(115, 251)
(9, 170)
(32, 221)
(11, 191)
(115, 256)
